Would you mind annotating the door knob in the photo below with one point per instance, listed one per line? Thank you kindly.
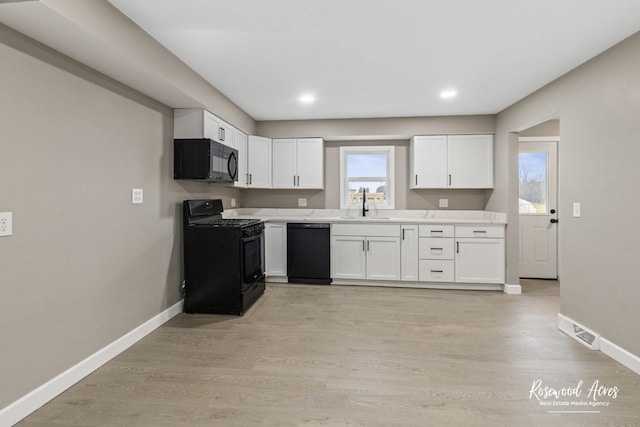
(554, 221)
(552, 211)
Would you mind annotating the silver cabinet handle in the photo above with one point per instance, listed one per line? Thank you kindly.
(403, 234)
(368, 247)
(436, 271)
(294, 180)
(363, 249)
(457, 247)
(416, 179)
(250, 179)
(449, 180)
(436, 249)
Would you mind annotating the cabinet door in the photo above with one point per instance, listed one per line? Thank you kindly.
(348, 257)
(409, 253)
(479, 260)
(284, 163)
(470, 161)
(225, 134)
(211, 126)
(310, 163)
(428, 162)
(240, 140)
(276, 249)
(259, 162)
(383, 258)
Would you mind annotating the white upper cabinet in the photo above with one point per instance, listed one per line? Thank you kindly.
(470, 161)
(451, 161)
(200, 123)
(428, 166)
(298, 163)
(240, 141)
(284, 163)
(226, 134)
(258, 162)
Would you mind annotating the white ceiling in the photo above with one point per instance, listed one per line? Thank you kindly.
(382, 58)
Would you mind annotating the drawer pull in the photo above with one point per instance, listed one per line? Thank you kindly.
(480, 231)
(436, 271)
(436, 231)
(436, 249)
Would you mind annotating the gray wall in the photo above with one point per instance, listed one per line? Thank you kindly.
(548, 128)
(597, 105)
(84, 266)
(377, 132)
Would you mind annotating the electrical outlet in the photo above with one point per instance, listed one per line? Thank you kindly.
(136, 196)
(6, 224)
(233, 203)
(443, 203)
(302, 202)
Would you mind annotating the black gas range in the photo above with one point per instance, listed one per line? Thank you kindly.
(223, 259)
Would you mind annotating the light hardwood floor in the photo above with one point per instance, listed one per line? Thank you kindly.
(353, 356)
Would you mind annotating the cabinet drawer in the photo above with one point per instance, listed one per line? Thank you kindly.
(435, 271)
(435, 248)
(488, 231)
(436, 231)
(379, 230)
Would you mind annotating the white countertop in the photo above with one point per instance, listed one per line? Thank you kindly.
(374, 216)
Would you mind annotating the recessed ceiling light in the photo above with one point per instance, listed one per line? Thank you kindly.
(447, 94)
(306, 98)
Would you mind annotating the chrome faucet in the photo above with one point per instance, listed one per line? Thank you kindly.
(364, 201)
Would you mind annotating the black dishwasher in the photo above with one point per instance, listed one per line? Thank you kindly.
(308, 253)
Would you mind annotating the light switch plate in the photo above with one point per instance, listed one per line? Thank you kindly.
(6, 224)
(302, 202)
(576, 210)
(137, 196)
(443, 203)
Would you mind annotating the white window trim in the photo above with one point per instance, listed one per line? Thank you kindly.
(389, 150)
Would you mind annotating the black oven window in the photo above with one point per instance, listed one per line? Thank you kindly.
(252, 262)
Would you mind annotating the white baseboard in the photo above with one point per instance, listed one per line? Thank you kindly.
(614, 351)
(47, 391)
(512, 289)
(620, 355)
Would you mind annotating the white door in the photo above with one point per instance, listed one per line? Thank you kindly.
(383, 258)
(470, 159)
(348, 257)
(409, 253)
(259, 162)
(538, 169)
(310, 163)
(284, 163)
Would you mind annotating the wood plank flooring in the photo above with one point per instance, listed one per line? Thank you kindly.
(352, 356)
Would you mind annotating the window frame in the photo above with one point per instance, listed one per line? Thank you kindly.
(389, 151)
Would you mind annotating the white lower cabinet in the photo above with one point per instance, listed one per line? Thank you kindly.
(409, 253)
(383, 258)
(479, 254)
(435, 249)
(348, 257)
(368, 251)
(275, 241)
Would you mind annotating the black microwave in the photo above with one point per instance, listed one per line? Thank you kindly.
(204, 160)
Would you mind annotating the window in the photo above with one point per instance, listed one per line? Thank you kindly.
(368, 168)
(534, 191)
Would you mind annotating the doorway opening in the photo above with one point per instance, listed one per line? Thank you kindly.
(538, 199)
